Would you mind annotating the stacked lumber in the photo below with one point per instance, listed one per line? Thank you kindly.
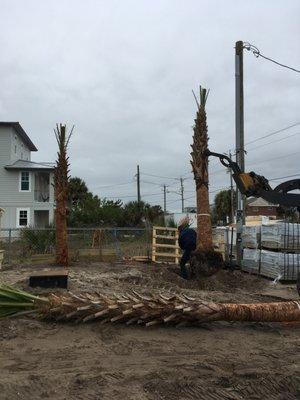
(251, 259)
(277, 265)
(282, 236)
(250, 236)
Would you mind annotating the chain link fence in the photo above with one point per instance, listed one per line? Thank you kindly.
(34, 245)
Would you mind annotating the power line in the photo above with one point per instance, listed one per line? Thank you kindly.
(158, 176)
(114, 185)
(152, 183)
(273, 141)
(257, 54)
(275, 158)
(283, 177)
(131, 196)
(273, 133)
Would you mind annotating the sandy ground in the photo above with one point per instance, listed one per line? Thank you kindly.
(40, 360)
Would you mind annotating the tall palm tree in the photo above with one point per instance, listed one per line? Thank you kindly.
(61, 182)
(205, 259)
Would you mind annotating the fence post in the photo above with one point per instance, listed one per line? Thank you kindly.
(9, 247)
(117, 245)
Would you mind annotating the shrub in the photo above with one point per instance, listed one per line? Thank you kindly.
(38, 241)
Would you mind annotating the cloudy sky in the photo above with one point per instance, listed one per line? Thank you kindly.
(122, 72)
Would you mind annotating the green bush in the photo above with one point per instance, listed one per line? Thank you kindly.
(38, 241)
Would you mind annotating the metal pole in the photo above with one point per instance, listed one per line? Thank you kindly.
(9, 248)
(231, 194)
(165, 199)
(239, 142)
(138, 184)
(181, 193)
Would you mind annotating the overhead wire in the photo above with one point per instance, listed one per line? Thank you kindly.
(272, 133)
(257, 54)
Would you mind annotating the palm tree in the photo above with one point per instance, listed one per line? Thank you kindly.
(61, 182)
(136, 308)
(205, 260)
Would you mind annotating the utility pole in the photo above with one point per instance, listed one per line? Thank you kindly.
(138, 184)
(165, 200)
(231, 193)
(239, 142)
(181, 193)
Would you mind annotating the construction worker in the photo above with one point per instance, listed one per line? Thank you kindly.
(187, 241)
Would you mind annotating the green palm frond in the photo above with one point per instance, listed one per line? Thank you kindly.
(17, 302)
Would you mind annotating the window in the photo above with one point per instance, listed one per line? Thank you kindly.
(25, 181)
(15, 149)
(23, 217)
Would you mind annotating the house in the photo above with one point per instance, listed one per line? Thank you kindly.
(26, 187)
(258, 207)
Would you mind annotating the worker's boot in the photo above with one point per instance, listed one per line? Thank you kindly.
(184, 272)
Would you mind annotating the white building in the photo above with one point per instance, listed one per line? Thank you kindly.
(26, 187)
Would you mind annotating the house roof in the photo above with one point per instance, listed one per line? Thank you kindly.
(30, 166)
(20, 131)
(259, 202)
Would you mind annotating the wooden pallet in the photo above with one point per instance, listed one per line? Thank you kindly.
(165, 245)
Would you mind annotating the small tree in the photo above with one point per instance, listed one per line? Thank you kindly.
(205, 260)
(61, 186)
(222, 206)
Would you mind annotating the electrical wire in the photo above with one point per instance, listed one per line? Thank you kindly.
(114, 185)
(274, 158)
(158, 176)
(273, 141)
(272, 133)
(284, 177)
(257, 54)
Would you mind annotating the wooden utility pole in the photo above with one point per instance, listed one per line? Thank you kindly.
(138, 184)
(182, 194)
(239, 142)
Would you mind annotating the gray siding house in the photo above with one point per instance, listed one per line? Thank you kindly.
(26, 187)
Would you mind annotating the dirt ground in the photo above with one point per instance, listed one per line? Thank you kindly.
(40, 360)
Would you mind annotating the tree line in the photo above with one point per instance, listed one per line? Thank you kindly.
(86, 209)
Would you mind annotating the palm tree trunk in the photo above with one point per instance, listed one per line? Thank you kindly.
(135, 308)
(204, 228)
(61, 183)
(205, 260)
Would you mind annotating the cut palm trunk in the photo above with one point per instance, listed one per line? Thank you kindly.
(136, 308)
(61, 183)
(205, 261)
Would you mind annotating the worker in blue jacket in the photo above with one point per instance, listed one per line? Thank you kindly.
(187, 242)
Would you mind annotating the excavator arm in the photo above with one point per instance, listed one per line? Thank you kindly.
(250, 184)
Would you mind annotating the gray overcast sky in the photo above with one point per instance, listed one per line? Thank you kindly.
(122, 72)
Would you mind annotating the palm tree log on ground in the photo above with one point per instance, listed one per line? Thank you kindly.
(204, 260)
(137, 308)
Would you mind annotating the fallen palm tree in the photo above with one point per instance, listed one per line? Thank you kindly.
(136, 308)
(205, 260)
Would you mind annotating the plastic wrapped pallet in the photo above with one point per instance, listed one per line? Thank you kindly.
(284, 266)
(283, 235)
(250, 261)
(289, 266)
(269, 264)
(250, 236)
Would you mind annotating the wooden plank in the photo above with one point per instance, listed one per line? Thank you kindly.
(169, 246)
(165, 237)
(153, 244)
(164, 228)
(171, 255)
